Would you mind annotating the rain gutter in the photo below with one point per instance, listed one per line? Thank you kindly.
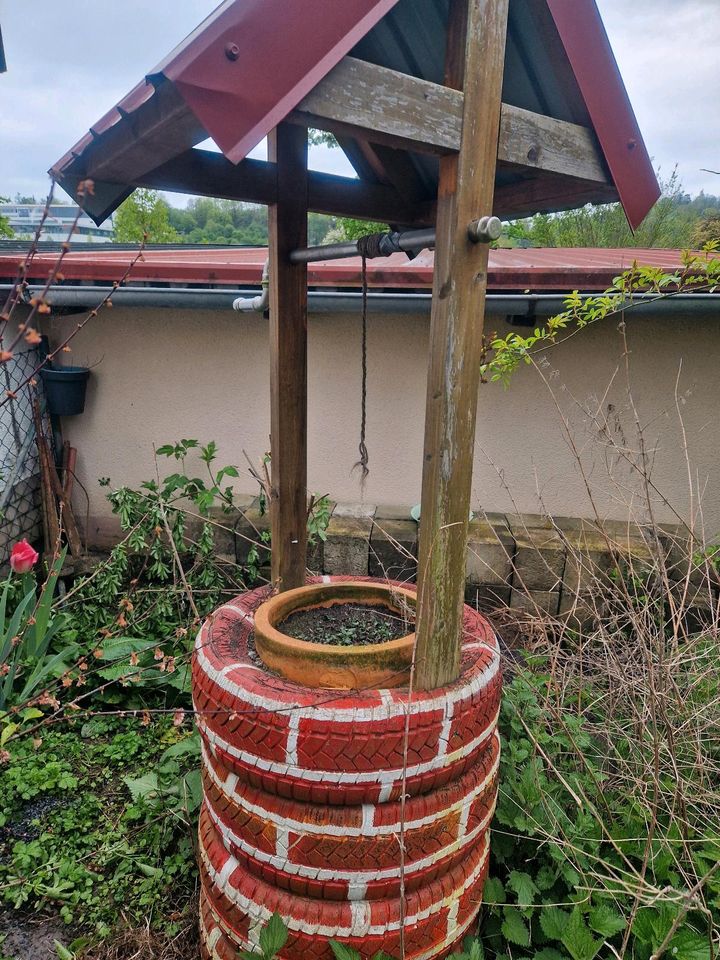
(521, 307)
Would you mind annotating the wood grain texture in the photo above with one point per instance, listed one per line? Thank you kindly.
(466, 189)
(531, 140)
(287, 222)
(399, 107)
(162, 128)
(210, 174)
(379, 163)
(393, 108)
(542, 192)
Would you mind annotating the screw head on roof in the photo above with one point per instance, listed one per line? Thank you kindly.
(232, 51)
(632, 144)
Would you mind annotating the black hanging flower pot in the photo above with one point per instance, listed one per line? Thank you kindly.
(65, 389)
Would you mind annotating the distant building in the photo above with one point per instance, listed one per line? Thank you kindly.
(25, 217)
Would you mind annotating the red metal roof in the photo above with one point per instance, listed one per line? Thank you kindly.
(608, 104)
(250, 63)
(534, 270)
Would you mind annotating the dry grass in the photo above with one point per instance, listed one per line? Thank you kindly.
(142, 943)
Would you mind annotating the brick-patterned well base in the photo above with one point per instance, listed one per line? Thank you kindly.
(303, 813)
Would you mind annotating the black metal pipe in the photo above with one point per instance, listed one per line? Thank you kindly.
(411, 241)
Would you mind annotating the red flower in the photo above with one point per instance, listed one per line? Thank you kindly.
(23, 558)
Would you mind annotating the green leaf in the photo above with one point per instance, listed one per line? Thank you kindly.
(207, 454)
(142, 786)
(514, 928)
(63, 952)
(606, 921)
(524, 887)
(273, 936)
(494, 891)
(228, 472)
(7, 732)
(120, 648)
(646, 927)
(44, 608)
(31, 713)
(577, 938)
(549, 953)
(689, 945)
(553, 921)
(187, 747)
(341, 952)
(477, 950)
(193, 789)
(545, 878)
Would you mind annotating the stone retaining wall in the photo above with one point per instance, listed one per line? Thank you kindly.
(524, 561)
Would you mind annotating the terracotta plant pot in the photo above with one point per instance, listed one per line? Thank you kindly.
(373, 666)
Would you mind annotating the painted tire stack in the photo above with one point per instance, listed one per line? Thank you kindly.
(302, 812)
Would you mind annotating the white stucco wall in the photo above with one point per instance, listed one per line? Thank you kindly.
(166, 374)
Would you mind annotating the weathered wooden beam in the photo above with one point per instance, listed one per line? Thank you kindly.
(543, 143)
(548, 193)
(162, 127)
(210, 174)
(362, 158)
(346, 197)
(206, 173)
(467, 182)
(394, 107)
(287, 147)
(398, 171)
(385, 106)
(377, 163)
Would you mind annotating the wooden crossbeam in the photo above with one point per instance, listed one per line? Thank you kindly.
(382, 164)
(385, 106)
(548, 193)
(206, 173)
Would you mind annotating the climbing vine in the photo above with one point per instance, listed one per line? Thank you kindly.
(700, 273)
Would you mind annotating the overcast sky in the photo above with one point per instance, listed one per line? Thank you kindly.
(70, 61)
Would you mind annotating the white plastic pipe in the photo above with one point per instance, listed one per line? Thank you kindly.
(256, 304)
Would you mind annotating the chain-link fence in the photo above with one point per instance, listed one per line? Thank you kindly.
(20, 503)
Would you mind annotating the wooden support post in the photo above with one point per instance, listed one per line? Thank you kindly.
(465, 193)
(287, 147)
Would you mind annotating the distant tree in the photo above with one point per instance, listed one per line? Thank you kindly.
(347, 230)
(144, 212)
(19, 198)
(707, 230)
(318, 138)
(6, 231)
(319, 226)
(670, 223)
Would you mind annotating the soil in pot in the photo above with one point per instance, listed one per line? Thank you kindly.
(347, 625)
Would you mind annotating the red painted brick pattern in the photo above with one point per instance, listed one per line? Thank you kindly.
(302, 811)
